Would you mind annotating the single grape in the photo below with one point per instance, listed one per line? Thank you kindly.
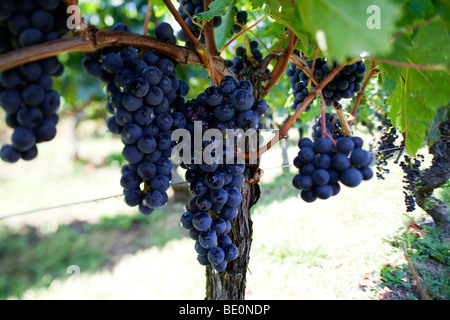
(351, 177)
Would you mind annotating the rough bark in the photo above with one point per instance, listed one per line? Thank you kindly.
(231, 284)
(92, 40)
(434, 177)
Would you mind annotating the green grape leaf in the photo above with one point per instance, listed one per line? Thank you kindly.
(409, 113)
(346, 28)
(423, 8)
(431, 44)
(222, 32)
(312, 114)
(284, 15)
(270, 5)
(216, 8)
(420, 92)
(443, 9)
(307, 45)
(388, 84)
(400, 52)
(272, 29)
(282, 12)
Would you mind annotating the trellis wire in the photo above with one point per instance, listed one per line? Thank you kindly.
(71, 204)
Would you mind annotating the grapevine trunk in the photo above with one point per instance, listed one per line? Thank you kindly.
(436, 176)
(231, 284)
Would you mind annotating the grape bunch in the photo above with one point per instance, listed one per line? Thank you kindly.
(241, 60)
(189, 8)
(26, 92)
(142, 93)
(385, 148)
(323, 167)
(241, 18)
(343, 86)
(412, 173)
(216, 185)
(216, 190)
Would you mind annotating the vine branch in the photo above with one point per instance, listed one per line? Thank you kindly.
(323, 110)
(242, 32)
(193, 40)
(373, 71)
(201, 51)
(94, 39)
(316, 52)
(282, 134)
(256, 37)
(432, 67)
(148, 14)
(280, 66)
(210, 43)
(209, 32)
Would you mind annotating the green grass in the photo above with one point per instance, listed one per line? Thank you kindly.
(299, 251)
(428, 251)
(31, 258)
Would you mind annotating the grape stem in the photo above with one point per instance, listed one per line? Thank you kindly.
(344, 122)
(256, 37)
(373, 71)
(323, 111)
(242, 32)
(213, 74)
(148, 14)
(189, 15)
(267, 60)
(370, 101)
(257, 154)
(281, 41)
(204, 54)
(248, 50)
(310, 98)
(316, 52)
(350, 118)
(282, 134)
(300, 62)
(283, 60)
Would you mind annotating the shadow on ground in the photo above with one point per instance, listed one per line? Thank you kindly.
(30, 258)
